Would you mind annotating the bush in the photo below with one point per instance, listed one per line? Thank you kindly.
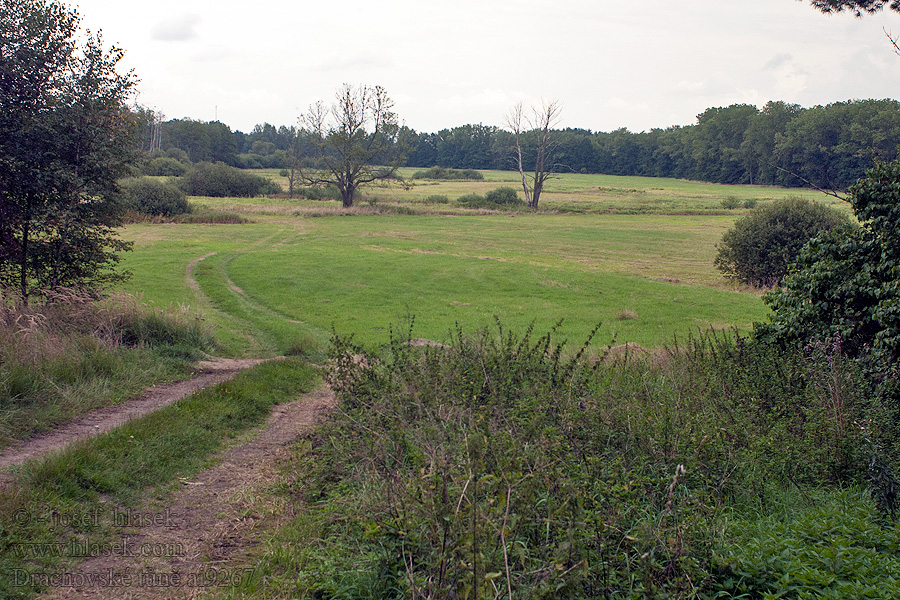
(846, 286)
(443, 173)
(154, 197)
(320, 192)
(437, 199)
(509, 462)
(220, 181)
(163, 167)
(760, 247)
(731, 203)
(502, 197)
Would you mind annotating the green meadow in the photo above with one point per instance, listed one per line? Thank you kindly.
(300, 269)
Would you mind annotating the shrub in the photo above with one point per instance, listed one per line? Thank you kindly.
(320, 192)
(163, 167)
(845, 285)
(437, 199)
(760, 247)
(219, 181)
(443, 173)
(502, 197)
(731, 203)
(155, 197)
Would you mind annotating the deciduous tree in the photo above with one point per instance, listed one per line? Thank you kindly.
(858, 7)
(65, 139)
(356, 140)
(539, 126)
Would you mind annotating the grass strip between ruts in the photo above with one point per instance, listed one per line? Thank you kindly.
(71, 494)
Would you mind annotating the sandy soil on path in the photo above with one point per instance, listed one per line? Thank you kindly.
(200, 536)
(210, 372)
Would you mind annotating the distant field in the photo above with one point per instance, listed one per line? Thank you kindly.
(573, 192)
(283, 281)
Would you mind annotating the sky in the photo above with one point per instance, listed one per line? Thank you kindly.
(639, 65)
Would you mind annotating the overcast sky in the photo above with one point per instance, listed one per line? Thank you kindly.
(640, 65)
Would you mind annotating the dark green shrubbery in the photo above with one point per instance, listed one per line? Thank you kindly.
(221, 181)
(163, 166)
(502, 197)
(505, 466)
(846, 284)
(320, 192)
(761, 246)
(444, 173)
(154, 197)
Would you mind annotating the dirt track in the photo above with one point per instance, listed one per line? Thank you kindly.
(210, 372)
(206, 529)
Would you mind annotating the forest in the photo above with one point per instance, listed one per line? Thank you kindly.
(781, 144)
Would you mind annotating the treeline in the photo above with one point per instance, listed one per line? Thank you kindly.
(781, 144)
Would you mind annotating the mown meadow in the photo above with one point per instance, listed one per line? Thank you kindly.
(301, 268)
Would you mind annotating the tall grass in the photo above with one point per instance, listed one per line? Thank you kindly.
(74, 352)
(506, 466)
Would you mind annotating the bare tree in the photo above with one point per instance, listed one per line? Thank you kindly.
(355, 140)
(539, 126)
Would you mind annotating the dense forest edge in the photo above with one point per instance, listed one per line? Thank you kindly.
(781, 144)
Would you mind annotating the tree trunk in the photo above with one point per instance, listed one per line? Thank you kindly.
(23, 277)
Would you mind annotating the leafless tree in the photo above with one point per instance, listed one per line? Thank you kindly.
(537, 124)
(356, 140)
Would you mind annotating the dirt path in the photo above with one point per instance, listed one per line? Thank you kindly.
(210, 372)
(197, 541)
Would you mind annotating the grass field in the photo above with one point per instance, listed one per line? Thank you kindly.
(282, 282)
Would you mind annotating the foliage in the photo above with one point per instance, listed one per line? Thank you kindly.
(858, 7)
(502, 465)
(320, 192)
(443, 173)
(832, 550)
(845, 284)
(502, 197)
(65, 139)
(154, 197)
(759, 248)
(355, 141)
(219, 180)
(163, 166)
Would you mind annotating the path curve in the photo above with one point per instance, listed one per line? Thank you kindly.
(210, 524)
(210, 372)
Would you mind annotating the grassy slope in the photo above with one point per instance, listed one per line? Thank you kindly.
(362, 273)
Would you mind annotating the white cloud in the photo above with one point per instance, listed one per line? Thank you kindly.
(175, 29)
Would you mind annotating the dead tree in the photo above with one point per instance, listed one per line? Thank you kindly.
(538, 125)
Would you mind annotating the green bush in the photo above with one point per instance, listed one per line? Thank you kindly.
(506, 462)
(502, 198)
(163, 166)
(218, 180)
(761, 246)
(846, 285)
(437, 199)
(444, 173)
(155, 197)
(731, 203)
(320, 192)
